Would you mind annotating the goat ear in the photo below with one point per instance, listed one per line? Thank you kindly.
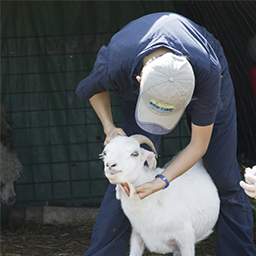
(149, 157)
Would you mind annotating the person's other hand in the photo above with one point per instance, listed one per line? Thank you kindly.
(250, 185)
(112, 133)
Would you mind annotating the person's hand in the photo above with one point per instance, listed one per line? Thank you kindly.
(147, 188)
(250, 185)
(112, 133)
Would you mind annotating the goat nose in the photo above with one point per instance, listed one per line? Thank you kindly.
(111, 164)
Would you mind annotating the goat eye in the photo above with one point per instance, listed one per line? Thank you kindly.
(135, 153)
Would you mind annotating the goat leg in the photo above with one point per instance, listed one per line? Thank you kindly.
(137, 244)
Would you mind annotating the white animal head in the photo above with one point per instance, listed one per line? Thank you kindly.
(8, 195)
(10, 171)
(123, 157)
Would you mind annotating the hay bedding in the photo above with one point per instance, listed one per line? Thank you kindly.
(45, 240)
(72, 240)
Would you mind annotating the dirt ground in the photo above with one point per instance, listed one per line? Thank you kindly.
(33, 239)
(72, 240)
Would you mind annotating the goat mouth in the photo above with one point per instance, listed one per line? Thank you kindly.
(111, 172)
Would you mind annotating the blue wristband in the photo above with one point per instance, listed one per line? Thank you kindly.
(164, 179)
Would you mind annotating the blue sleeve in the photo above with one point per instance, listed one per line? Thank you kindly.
(206, 100)
(98, 80)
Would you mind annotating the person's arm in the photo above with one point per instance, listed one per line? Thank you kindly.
(197, 147)
(102, 106)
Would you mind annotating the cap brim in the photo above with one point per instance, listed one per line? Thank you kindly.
(156, 123)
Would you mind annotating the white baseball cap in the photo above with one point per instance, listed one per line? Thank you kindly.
(166, 88)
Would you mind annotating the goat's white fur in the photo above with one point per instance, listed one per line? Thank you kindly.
(170, 220)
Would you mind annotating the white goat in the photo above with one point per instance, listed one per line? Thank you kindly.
(170, 220)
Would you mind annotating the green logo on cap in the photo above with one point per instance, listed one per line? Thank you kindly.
(161, 107)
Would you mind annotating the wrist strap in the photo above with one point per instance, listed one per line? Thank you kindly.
(164, 179)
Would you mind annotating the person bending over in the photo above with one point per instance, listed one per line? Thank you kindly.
(161, 66)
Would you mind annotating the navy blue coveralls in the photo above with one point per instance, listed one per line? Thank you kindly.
(213, 101)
